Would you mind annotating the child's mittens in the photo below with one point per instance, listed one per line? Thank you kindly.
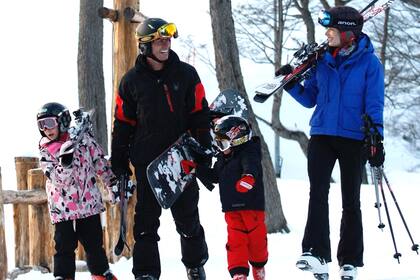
(66, 154)
(245, 184)
(188, 166)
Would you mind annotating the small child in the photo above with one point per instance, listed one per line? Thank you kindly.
(74, 199)
(239, 173)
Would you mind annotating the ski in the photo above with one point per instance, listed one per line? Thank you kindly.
(83, 124)
(307, 56)
(119, 247)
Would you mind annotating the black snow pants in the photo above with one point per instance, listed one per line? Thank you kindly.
(323, 151)
(146, 259)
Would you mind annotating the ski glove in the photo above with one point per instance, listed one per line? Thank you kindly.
(188, 166)
(284, 70)
(245, 184)
(116, 188)
(66, 154)
(376, 155)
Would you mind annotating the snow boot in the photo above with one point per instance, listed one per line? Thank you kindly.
(106, 276)
(196, 273)
(61, 278)
(239, 277)
(258, 273)
(317, 265)
(348, 272)
(146, 277)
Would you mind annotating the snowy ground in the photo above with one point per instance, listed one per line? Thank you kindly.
(285, 248)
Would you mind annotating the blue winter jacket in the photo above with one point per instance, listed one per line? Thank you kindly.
(343, 93)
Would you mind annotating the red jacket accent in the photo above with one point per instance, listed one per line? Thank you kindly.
(119, 112)
(199, 96)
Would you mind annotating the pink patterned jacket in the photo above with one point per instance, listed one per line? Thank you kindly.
(73, 192)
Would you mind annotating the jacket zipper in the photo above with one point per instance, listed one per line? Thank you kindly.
(168, 97)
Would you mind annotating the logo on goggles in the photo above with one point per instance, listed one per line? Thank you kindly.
(348, 23)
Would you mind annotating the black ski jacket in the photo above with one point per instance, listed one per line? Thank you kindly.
(153, 108)
(227, 170)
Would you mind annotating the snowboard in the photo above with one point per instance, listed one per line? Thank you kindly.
(166, 175)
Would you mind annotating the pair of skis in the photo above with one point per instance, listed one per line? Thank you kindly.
(307, 57)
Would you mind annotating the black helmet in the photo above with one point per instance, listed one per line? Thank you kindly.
(58, 111)
(343, 18)
(231, 131)
(152, 29)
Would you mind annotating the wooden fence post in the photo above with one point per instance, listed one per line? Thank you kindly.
(3, 249)
(41, 243)
(125, 49)
(20, 212)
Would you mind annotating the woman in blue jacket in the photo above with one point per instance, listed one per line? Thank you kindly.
(347, 83)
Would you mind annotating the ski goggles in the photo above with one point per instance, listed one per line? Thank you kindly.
(168, 30)
(324, 18)
(222, 144)
(47, 123)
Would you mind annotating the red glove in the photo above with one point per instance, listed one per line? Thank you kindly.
(188, 166)
(245, 184)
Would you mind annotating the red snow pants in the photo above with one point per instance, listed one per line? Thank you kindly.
(247, 240)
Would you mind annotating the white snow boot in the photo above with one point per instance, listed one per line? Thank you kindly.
(348, 272)
(317, 265)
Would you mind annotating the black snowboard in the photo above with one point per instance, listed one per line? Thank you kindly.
(165, 173)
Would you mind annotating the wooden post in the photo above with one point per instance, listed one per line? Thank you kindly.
(124, 56)
(41, 243)
(3, 249)
(20, 212)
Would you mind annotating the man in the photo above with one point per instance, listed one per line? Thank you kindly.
(159, 99)
(347, 83)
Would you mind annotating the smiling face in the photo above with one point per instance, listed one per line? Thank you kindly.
(52, 133)
(160, 50)
(333, 36)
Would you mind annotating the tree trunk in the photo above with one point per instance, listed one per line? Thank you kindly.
(90, 67)
(229, 75)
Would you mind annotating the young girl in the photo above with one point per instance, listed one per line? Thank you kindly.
(239, 173)
(74, 200)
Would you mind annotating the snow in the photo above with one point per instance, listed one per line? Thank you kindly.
(284, 249)
(46, 55)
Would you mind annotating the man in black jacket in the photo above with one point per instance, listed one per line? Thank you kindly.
(159, 99)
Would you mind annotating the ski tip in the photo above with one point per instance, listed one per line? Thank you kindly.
(117, 251)
(260, 98)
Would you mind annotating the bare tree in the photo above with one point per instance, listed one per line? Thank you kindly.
(229, 75)
(90, 67)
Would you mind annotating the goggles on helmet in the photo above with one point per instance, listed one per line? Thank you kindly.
(324, 18)
(222, 144)
(47, 123)
(168, 30)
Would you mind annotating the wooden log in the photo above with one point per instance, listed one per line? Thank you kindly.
(3, 249)
(131, 15)
(20, 212)
(41, 241)
(24, 197)
(110, 14)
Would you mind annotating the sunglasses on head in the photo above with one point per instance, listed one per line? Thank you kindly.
(47, 123)
(168, 30)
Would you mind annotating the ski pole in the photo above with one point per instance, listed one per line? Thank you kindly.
(378, 202)
(415, 247)
(378, 174)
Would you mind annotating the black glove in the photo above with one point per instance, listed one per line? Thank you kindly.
(284, 70)
(376, 155)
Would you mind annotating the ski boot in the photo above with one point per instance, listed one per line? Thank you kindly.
(196, 273)
(146, 277)
(239, 277)
(106, 276)
(258, 273)
(61, 278)
(348, 272)
(317, 265)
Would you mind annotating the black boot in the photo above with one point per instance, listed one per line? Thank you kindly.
(196, 273)
(146, 277)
